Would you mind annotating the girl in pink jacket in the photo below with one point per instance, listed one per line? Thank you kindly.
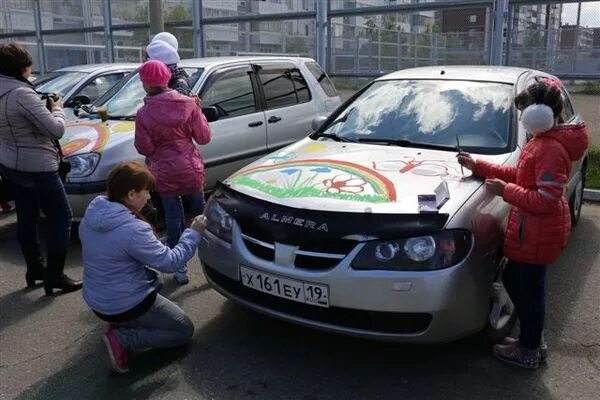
(167, 129)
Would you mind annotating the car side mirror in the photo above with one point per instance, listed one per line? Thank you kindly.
(81, 100)
(211, 113)
(317, 122)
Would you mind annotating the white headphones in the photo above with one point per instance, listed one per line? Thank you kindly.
(537, 118)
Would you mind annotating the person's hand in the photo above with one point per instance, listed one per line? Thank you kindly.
(496, 186)
(199, 223)
(56, 104)
(466, 160)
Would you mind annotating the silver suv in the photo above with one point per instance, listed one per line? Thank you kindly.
(255, 105)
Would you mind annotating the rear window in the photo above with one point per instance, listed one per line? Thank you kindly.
(283, 85)
(322, 78)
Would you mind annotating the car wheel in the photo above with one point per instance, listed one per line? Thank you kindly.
(502, 315)
(576, 200)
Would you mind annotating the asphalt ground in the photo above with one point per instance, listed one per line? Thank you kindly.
(50, 348)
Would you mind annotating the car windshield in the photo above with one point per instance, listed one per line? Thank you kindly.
(58, 82)
(128, 97)
(475, 116)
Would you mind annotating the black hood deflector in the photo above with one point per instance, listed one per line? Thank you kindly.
(276, 223)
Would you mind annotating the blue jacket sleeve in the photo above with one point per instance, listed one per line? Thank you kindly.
(146, 248)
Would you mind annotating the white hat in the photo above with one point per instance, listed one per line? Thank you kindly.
(162, 51)
(168, 38)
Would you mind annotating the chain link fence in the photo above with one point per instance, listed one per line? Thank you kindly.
(361, 37)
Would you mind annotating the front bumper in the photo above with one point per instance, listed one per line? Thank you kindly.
(81, 194)
(403, 306)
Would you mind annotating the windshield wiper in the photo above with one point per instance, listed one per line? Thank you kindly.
(408, 143)
(122, 117)
(332, 136)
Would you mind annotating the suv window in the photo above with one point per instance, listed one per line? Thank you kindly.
(283, 85)
(99, 85)
(231, 93)
(322, 78)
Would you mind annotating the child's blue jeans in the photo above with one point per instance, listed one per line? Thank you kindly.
(174, 214)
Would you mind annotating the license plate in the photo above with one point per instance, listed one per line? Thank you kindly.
(291, 289)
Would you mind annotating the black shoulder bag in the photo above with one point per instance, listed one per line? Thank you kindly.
(64, 166)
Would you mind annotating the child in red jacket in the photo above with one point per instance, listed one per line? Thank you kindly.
(167, 129)
(539, 222)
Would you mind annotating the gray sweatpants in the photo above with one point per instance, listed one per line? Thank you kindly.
(163, 325)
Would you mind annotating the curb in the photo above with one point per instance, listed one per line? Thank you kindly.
(591, 195)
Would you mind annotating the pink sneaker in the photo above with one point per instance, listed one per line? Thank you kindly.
(6, 207)
(117, 354)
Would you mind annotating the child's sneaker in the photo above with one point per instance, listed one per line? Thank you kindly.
(117, 354)
(543, 347)
(6, 207)
(517, 355)
(181, 276)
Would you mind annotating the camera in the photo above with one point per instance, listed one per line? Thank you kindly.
(47, 96)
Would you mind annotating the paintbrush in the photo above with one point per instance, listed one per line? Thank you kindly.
(462, 171)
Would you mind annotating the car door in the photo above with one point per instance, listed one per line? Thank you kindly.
(289, 105)
(239, 135)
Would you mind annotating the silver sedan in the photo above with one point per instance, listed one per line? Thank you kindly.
(369, 227)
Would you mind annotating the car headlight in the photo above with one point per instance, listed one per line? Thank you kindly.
(219, 222)
(420, 248)
(83, 165)
(422, 253)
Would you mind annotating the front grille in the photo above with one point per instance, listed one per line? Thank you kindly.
(373, 321)
(260, 251)
(312, 256)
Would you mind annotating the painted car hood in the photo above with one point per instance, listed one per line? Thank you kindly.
(84, 136)
(353, 177)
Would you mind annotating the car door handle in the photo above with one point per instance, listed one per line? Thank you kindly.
(274, 119)
(255, 124)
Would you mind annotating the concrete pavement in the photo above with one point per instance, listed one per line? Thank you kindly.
(50, 347)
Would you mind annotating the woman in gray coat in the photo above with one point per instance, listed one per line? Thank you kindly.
(29, 157)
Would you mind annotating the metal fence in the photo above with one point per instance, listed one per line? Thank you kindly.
(348, 37)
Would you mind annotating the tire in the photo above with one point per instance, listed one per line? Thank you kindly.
(576, 200)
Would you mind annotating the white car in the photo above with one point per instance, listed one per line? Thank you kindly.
(255, 105)
(82, 84)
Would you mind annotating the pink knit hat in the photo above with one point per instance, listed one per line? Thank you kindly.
(155, 74)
